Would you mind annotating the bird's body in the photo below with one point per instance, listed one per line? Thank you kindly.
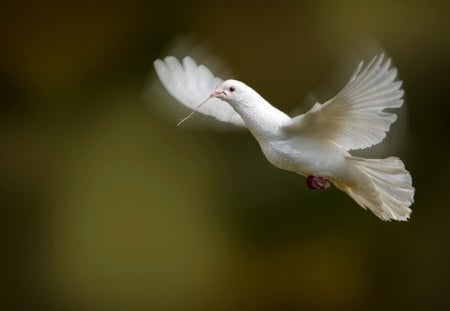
(315, 143)
(303, 155)
(283, 148)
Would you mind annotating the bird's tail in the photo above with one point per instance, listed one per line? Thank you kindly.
(386, 187)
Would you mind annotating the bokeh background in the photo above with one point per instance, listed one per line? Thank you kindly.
(106, 205)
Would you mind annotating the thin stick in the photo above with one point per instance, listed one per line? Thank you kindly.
(192, 112)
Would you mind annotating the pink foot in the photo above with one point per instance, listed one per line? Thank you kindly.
(317, 183)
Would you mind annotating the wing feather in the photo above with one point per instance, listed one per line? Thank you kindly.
(355, 117)
(191, 84)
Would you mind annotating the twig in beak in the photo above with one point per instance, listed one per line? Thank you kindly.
(192, 112)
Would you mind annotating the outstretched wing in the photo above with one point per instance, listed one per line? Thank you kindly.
(191, 84)
(355, 118)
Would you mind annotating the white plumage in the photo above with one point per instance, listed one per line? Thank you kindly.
(315, 143)
(191, 84)
(354, 119)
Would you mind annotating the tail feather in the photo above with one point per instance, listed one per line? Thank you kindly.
(384, 187)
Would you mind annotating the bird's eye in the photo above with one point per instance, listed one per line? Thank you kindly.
(232, 88)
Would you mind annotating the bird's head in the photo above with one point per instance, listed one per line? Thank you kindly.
(232, 91)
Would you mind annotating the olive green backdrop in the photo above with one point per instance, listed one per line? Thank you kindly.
(107, 205)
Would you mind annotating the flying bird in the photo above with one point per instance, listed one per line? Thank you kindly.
(315, 144)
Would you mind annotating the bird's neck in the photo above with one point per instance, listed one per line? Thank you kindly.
(260, 117)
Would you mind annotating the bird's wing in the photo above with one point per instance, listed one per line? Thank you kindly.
(191, 84)
(355, 117)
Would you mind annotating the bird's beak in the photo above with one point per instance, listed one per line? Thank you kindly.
(217, 94)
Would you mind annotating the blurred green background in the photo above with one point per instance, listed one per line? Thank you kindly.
(107, 206)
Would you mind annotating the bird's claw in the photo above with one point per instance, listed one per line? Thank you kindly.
(317, 183)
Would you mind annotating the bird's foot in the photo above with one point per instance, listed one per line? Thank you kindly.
(317, 183)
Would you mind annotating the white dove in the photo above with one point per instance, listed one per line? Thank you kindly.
(314, 144)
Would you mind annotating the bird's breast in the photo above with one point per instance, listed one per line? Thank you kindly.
(303, 156)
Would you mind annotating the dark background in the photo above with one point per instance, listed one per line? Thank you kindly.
(105, 205)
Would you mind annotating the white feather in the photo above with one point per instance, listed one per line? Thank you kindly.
(355, 118)
(385, 187)
(192, 84)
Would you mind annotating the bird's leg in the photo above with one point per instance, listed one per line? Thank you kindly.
(317, 183)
